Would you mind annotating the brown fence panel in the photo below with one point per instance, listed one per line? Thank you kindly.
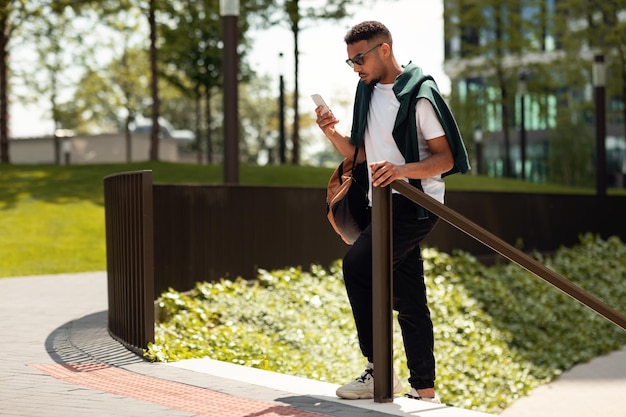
(130, 260)
(204, 233)
(531, 222)
(207, 232)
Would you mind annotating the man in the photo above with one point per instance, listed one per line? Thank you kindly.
(405, 131)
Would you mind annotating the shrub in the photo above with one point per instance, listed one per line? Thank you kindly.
(499, 330)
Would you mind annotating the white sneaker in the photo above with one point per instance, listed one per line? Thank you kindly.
(363, 386)
(414, 395)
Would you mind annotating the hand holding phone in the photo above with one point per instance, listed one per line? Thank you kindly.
(319, 101)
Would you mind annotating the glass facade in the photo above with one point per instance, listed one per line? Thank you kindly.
(511, 58)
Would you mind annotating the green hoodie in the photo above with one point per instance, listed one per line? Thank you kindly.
(408, 87)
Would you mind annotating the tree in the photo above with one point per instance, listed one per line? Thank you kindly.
(93, 106)
(191, 52)
(97, 106)
(259, 121)
(296, 13)
(101, 91)
(51, 33)
(149, 9)
(568, 159)
(192, 56)
(154, 79)
(13, 13)
(128, 73)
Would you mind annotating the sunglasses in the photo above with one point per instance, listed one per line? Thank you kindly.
(358, 58)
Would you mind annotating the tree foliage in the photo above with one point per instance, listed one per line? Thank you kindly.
(13, 14)
(295, 14)
(191, 53)
(259, 122)
(182, 42)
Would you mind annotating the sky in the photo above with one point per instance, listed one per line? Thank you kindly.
(416, 27)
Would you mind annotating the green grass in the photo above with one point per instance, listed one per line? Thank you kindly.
(52, 217)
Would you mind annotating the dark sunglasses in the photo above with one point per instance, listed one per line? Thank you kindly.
(358, 58)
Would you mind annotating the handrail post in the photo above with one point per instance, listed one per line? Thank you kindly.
(382, 293)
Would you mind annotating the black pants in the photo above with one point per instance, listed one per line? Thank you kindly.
(409, 290)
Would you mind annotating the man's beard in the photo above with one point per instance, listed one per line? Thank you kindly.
(373, 82)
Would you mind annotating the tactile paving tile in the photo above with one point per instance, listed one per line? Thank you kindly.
(169, 394)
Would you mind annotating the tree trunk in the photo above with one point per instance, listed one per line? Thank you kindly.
(154, 135)
(55, 116)
(198, 130)
(623, 59)
(209, 132)
(4, 97)
(128, 135)
(504, 93)
(505, 129)
(295, 152)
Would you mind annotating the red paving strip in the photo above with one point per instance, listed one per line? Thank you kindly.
(169, 394)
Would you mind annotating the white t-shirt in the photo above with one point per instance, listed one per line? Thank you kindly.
(379, 142)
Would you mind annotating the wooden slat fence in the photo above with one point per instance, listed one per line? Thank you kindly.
(130, 258)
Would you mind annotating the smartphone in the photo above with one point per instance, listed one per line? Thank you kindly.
(319, 101)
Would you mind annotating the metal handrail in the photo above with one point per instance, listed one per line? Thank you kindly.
(382, 282)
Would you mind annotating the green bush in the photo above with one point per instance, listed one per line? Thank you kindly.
(499, 330)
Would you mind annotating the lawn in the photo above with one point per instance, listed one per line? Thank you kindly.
(53, 218)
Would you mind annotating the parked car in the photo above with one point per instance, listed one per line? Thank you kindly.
(166, 130)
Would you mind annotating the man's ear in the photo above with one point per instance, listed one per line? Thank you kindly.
(386, 50)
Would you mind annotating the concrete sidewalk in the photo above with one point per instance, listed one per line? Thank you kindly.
(59, 360)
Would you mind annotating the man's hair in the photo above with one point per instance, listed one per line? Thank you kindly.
(366, 31)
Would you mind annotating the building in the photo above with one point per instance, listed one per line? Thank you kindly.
(522, 88)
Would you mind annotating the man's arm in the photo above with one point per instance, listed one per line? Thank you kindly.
(440, 161)
(327, 123)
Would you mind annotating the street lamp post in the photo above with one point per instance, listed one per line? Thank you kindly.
(522, 92)
(229, 10)
(478, 142)
(599, 82)
(281, 105)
